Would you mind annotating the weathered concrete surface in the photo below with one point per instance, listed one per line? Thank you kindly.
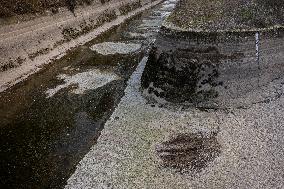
(27, 46)
(213, 64)
(125, 156)
(214, 70)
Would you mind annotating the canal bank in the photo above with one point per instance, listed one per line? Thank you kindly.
(27, 46)
(50, 121)
(218, 69)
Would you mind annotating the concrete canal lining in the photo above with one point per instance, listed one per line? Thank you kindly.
(169, 133)
(28, 46)
(214, 66)
(214, 69)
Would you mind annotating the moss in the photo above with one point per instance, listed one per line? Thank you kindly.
(58, 43)
(104, 1)
(106, 16)
(85, 27)
(7, 66)
(246, 13)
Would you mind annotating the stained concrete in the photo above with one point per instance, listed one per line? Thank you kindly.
(125, 156)
(214, 70)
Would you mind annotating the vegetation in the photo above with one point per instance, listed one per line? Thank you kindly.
(17, 7)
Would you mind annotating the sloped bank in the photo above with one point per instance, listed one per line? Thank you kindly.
(27, 46)
(214, 68)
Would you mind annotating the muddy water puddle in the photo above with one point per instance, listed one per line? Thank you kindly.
(50, 121)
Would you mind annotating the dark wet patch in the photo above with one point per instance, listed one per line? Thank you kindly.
(181, 74)
(188, 152)
(42, 142)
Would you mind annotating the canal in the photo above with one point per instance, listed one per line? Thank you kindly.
(50, 121)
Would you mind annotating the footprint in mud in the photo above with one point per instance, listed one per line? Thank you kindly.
(188, 152)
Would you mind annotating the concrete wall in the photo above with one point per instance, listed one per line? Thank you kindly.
(215, 70)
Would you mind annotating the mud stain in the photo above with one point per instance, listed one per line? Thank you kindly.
(188, 152)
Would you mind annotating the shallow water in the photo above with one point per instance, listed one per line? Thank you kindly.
(84, 81)
(42, 139)
(116, 48)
